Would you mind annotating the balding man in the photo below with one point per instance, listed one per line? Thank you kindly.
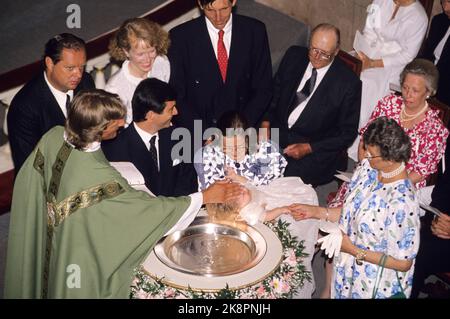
(315, 107)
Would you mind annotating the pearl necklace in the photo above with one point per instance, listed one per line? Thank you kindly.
(395, 172)
(405, 117)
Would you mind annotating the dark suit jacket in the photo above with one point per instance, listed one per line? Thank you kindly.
(329, 121)
(433, 256)
(33, 112)
(171, 180)
(438, 28)
(195, 72)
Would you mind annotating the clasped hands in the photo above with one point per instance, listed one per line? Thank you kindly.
(298, 151)
(440, 226)
(336, 241)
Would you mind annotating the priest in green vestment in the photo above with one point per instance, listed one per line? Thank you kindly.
(77, 229)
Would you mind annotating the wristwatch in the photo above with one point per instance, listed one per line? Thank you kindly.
(361, 256)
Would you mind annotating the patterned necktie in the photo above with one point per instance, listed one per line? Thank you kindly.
(305, 92)
(222, 57)
(154, 152)
(67, 103)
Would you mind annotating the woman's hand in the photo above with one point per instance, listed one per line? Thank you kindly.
(441, 226)
(231, 174)
(347, 245)
(366, 61)
(303, 211)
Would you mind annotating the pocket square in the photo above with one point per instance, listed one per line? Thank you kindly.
(176, 162)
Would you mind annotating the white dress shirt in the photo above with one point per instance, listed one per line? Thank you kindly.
(295, 114)
(214, 34)
(146, 137)
(440, 47)
(60, 96)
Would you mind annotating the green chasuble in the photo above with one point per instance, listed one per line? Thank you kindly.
(77, 228)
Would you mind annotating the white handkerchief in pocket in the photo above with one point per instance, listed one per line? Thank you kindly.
(176, 162)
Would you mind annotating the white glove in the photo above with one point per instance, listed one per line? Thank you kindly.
(331, 243)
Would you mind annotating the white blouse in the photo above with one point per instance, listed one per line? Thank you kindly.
(124, 83)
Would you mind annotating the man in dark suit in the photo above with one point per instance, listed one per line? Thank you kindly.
(42, 103)
(147, 141)
(437, 50)
(315, 106)
(220, 62)
(434, 250)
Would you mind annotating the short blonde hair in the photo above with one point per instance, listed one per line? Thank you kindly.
(89, 114)
(136, 29)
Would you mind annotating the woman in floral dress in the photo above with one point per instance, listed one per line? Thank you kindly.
(380, 217)
(428, 134)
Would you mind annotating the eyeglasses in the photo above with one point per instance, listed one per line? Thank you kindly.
(322, 54)
(369, 157)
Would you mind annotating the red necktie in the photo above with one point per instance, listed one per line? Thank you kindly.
(222, 57)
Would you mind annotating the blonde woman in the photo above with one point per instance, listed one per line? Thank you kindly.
(142, 45)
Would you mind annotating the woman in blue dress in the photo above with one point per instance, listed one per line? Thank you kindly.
(380, 217)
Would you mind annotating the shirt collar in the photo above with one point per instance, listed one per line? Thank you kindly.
(59, 95)
(93, 147)
(145, 136)
(226, 29)
(320, 72)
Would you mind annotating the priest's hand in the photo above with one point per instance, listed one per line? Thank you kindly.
(298, 151)
(223, 192)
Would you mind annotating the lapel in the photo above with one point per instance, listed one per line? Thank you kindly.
(317, 103)
(205, 50)
(53, 111)
(164, 145)
(296, 76)
(238, 44)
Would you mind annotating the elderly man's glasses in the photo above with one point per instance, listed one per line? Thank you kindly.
(322, 54)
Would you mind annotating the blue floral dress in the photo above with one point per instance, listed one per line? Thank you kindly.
(382, 218)
(259, 168)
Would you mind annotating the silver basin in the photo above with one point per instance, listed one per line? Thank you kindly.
(212, 249)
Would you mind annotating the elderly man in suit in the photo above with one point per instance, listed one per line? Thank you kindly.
(220, 62)
(42, 103)
(437, 50)
(147, 141)
(315, 106)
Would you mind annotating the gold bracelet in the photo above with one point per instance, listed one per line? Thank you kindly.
(360, 256)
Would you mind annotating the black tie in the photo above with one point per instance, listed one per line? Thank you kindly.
(67, 103)
(154, 152)
(305, 92)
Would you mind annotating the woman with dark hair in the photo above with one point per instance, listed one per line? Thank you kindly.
(379, 220)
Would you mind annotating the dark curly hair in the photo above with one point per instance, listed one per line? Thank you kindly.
(393, 142)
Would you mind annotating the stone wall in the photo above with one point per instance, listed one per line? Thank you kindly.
(347, 15)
